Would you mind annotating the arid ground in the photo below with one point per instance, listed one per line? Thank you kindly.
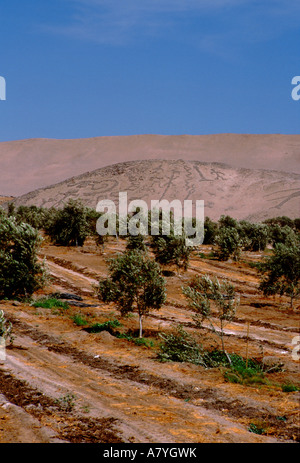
(35, 163)
(61, 383)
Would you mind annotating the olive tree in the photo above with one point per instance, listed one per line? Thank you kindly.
(69, 226)
(205, 294)
(254, 235)
(229, 243)
(136, 242)
(21, 274)
(135, 283)
(171, 249)
(280, 272)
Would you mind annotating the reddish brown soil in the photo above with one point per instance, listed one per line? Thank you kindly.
(60, 383)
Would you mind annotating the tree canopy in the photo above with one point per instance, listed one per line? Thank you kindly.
(135, 283)
(21, 274)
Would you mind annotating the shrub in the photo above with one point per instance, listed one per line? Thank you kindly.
(106, 326)
(289, 387)
(79, 320)
(137, 341)
(180, 346)
(136, 242)
(257, 428)
(21, 274)
(50, 303)
(67, 402)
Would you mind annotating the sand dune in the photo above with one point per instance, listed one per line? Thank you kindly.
(35, 163)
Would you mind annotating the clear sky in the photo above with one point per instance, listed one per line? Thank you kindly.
(88, 68)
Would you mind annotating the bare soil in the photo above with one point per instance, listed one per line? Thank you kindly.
(61, 383)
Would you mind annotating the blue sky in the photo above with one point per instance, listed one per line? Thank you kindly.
(88, 68)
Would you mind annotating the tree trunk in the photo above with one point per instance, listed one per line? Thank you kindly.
(141, 326)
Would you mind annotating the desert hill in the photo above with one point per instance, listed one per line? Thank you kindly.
(35, 163)
(252, 194)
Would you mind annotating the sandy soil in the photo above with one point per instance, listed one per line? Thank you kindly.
(61, 383)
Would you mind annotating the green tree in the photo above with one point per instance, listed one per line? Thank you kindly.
(91, 217)
(21, 274)
(171, 249)
(297, 224)
(280, 272)
(210, 231)
(135, 283)
(33, 215)
(136, 242)
(69, 226)
(254, 235)
(227, 222)
(205, 293)
(229, 243)
(281, 221)
(281, 234)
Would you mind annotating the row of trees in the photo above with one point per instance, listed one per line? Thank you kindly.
(21, 273)
(231, 236)
(72, 224)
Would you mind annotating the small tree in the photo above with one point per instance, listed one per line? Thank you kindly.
(136, 242)
(229, 243)
(135, 283)
(33, 215)
(281, 234)
(210, 231)
(69, 226)
(20, 272)
(91, 217)
(228, 222)
(204, 291)
(171, 249)
(281, 271)
(254, 235)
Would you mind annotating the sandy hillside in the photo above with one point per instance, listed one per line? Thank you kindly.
(30, 164)
(241, 193)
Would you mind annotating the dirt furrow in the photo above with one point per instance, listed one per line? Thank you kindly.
(210, 398)
(263, 333)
